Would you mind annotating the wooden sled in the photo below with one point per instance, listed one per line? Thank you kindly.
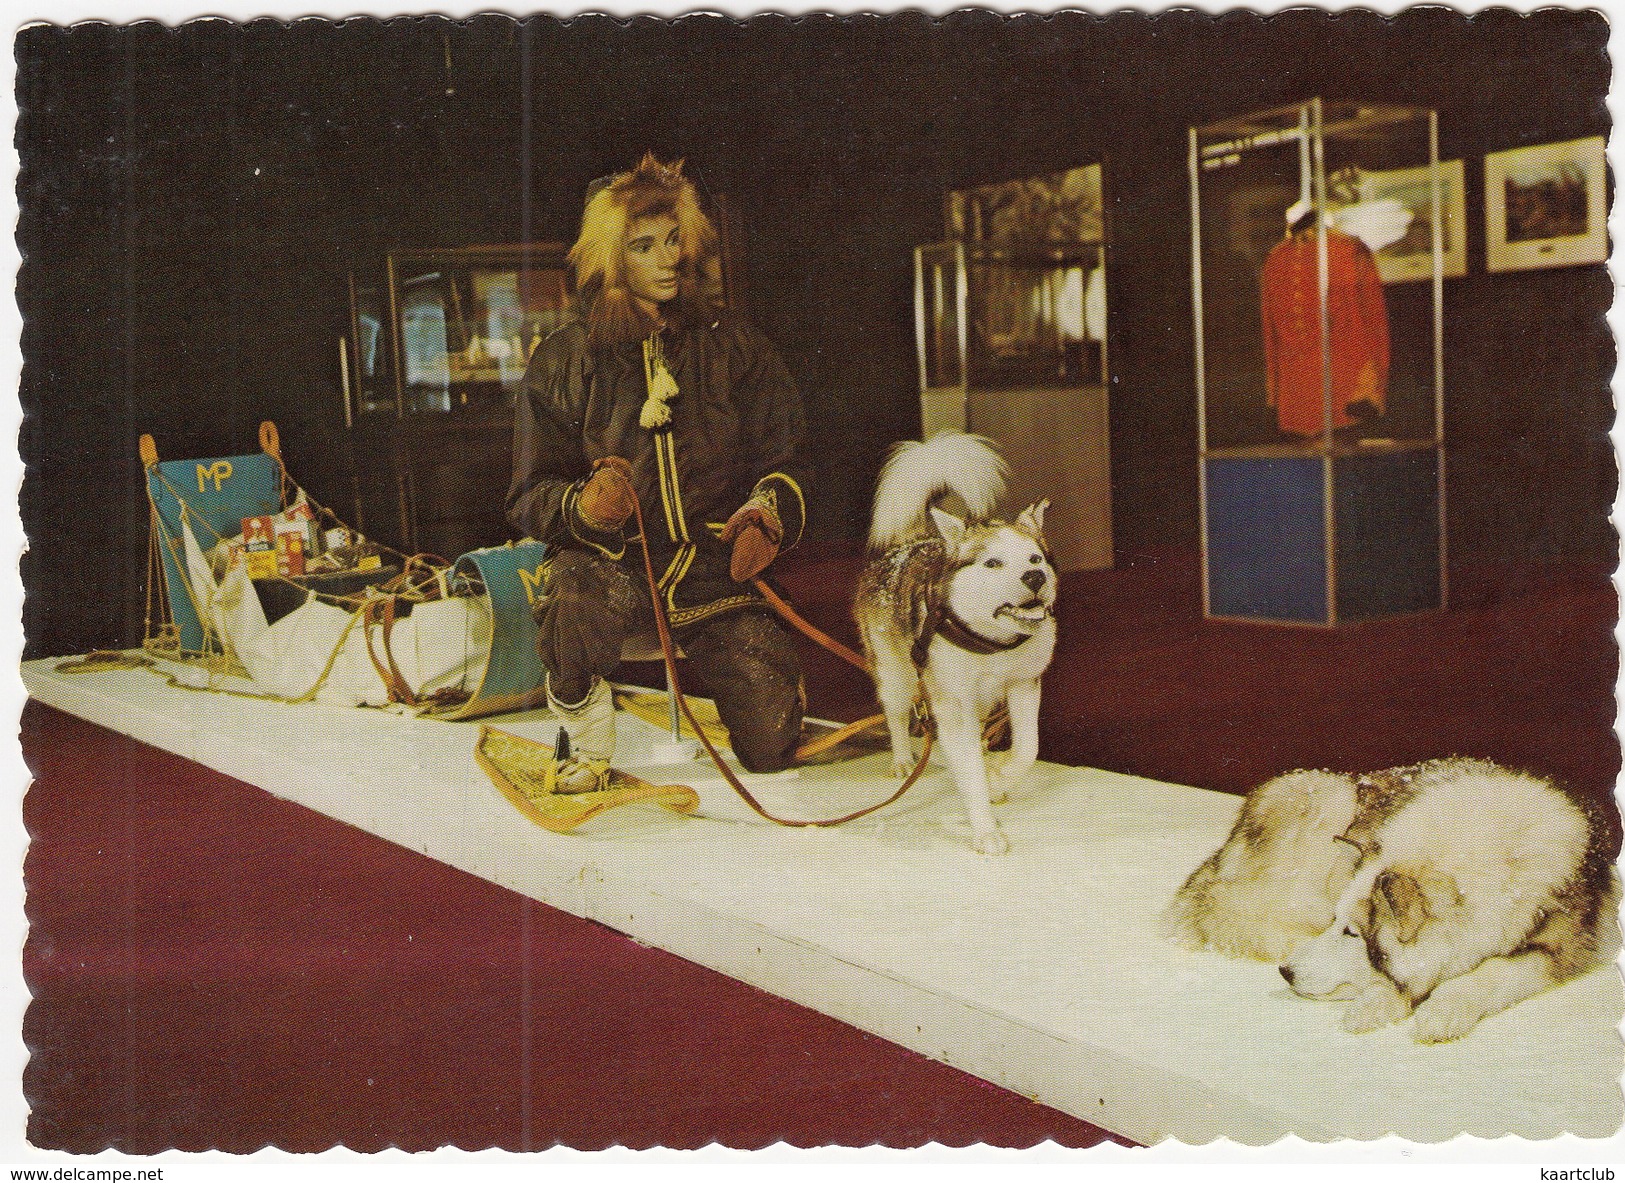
(210, 497)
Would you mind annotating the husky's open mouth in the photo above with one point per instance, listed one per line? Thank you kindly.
(1033, 612)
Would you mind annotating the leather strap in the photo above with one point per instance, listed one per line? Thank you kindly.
(956, 632)
(382, 612)
(669, 652)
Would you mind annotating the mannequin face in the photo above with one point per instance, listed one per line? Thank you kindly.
(652, 254)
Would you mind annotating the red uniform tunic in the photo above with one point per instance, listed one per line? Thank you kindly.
(1357, 317)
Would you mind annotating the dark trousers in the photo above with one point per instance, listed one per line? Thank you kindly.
(588, 607)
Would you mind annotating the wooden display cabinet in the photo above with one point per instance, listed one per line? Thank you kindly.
(435, 356)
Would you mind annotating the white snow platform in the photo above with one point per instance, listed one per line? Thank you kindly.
(1041, 970)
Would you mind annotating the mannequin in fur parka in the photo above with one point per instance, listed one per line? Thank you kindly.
(654, 393)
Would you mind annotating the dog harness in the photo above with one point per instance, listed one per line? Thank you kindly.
(945, 623)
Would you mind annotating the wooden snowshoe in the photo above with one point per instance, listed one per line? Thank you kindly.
(519, 768)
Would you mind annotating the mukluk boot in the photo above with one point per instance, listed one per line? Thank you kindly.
(586, 741)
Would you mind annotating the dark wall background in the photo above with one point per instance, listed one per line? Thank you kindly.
(193, 199)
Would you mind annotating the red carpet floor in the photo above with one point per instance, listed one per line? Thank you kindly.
(214, 968)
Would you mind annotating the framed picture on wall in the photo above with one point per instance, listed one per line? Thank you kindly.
(1405, 197)
(1546, 206)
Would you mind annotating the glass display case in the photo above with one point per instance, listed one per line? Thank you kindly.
(1319, 235)
(1011, 337)
(440, 330)
(436, 350)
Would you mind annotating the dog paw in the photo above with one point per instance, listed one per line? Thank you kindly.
(992, 842)
(1378, 1006)
(1441, 1020)
(901, 768)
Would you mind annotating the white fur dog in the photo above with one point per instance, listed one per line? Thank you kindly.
(1452, 889)
(1273, 882)
(1487, 887)
(966, 608)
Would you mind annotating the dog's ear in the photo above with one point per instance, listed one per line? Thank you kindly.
(1032, 518)
(1397, 899)
(950, 527)
(1360, 915)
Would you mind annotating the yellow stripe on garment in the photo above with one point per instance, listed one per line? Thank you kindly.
(674, 574)
(662, 442)
(676, 488)
(801, 503)
(682, 616)
(671, 498)
(672, 570)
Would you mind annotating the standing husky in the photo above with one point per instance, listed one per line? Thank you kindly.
(967, 609)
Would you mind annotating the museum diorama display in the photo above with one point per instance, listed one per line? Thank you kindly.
(425, 648)
(1010, 323)
(1318, 253)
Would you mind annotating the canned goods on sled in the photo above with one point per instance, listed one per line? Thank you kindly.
(265, 592)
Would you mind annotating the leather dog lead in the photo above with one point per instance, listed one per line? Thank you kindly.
(668, 654)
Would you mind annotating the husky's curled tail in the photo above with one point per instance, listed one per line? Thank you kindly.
(916, 475)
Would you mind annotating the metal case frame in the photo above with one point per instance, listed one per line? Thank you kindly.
(1336, 526)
